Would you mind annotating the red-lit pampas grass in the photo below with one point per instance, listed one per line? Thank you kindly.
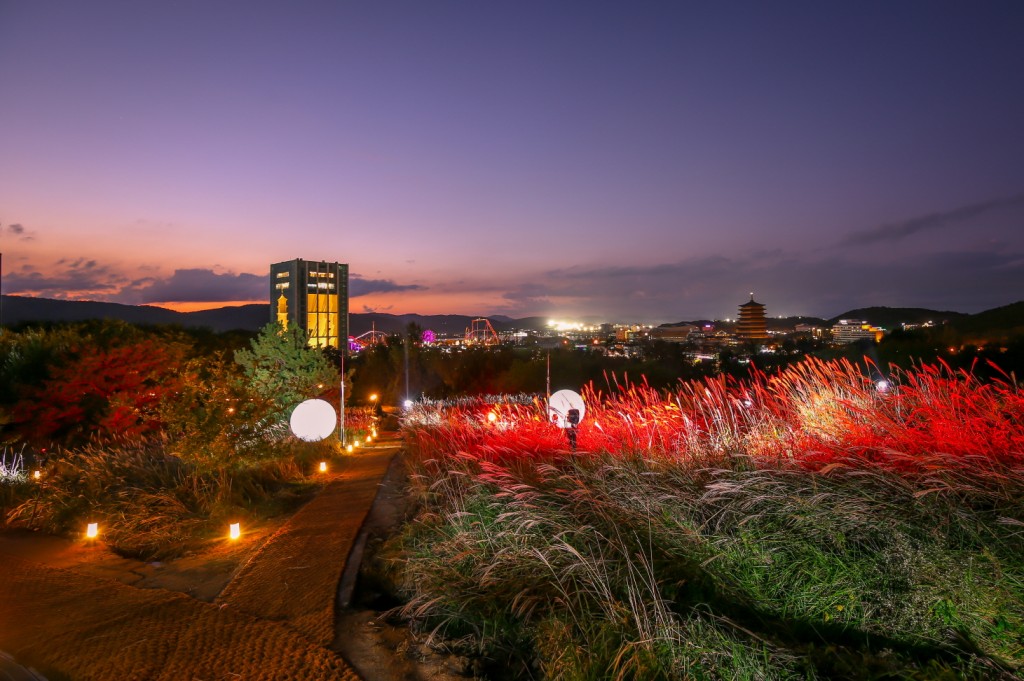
(928, 420)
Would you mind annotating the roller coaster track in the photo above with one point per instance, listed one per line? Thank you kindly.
(481, 333)
(362, 341)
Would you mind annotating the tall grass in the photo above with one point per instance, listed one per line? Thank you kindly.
(150, 503)
(805, 525)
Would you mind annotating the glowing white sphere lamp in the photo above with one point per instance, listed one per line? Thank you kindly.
(313, 420)
(559, 405)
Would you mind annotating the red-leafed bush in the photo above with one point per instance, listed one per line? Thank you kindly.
(101, 393)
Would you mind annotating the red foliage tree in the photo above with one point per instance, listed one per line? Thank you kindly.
(102, 393)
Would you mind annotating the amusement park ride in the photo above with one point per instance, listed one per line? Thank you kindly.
(480, 332)
(362, 341)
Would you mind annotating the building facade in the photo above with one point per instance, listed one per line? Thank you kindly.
(853, 330)
(753, 324)
(314, 295)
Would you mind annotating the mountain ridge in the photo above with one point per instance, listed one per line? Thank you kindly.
(21, 309)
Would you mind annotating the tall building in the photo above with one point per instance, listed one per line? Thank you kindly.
(853, 330)
(753, 326)
(314, 295)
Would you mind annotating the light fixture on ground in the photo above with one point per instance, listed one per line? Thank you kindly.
(234, 530)
(92, 530)
(323, 466)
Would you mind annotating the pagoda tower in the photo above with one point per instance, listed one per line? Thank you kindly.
(753, 326)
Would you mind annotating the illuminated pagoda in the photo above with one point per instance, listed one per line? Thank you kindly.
(315, 295)
(753, 326)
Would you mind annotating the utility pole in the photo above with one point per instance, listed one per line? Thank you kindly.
(549, 374)
(341, 400)
(407, 366)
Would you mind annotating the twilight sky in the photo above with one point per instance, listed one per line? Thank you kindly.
(650, 161)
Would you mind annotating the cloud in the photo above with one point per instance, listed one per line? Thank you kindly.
(357, 286)
(18, 231)
(75, 279)
(196, 286)
(788, 283)
(370, 310)
(900, 230)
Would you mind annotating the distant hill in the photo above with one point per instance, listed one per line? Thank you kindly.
(245, 317)
(19, 309)
(890, 318)
(448, 324)
(1004, 321)
(999, 322)
(773, 323)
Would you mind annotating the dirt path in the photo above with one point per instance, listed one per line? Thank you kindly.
(62, 613)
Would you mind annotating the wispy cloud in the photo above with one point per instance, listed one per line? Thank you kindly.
(195, 285)
(788, 283)
(357, 286)
(17, 231)
(900, 230)
(67, 279)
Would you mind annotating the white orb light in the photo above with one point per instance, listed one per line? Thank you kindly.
(559, 405)
(313, 420)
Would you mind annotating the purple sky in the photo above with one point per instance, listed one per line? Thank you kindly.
(647, 161)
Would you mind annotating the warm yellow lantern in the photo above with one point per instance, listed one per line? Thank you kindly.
(37, 474)
(323, 466)
(235, 530)
(350, 449)
(92, 530)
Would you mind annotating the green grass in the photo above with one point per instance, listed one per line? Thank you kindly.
(606, 566)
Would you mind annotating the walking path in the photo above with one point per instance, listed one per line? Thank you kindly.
(272, 621)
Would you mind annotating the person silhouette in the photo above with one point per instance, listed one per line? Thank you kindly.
(572, 419)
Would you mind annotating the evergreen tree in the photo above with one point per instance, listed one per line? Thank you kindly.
(282, 368)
